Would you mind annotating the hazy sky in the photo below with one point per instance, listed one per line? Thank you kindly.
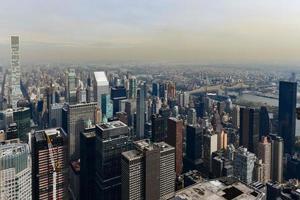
(219, 31)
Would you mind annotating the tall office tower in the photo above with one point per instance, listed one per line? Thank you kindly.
(140, 112)
(132, 87)
(243, 165)
(264, 122)
(155, 89)
(222, 140)
(148, 171)
(101, 86)
(49, 164)
(175, 139)
(158, 128)
(287, 114)
(162, 88)
(156, 105)
(106, 106)
(165, 112)
(15, 172)
(192, 116)
(258, 171)
(88, 164)
(22, 117)
(89, 90)
(111, 140)
(186, 99)
(130, 109)
(171, 89)
(117, 95)
(15, 81)
(265, 154)
(236, 116)
(249, 128)
(200, 109)
(71, 86)
(55, 115)
(210, 145)
(180, 99)
(194, 146)
(277, 158)
(75, 119)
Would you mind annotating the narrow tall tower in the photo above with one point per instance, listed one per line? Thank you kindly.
(16, 93)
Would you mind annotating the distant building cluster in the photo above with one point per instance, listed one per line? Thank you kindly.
(126, 133)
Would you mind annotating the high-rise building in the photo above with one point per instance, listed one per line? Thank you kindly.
(148, 171)
(101, 86)
(15, 81)
(175, 139)
(55, 115)
(277, 158)
(49, 164)
(140, 112)
(186, 99)
(22, 117)
(158, 128)
(155, 89)
(117, 95)
(106, 106)
(75, 119)
(132, 92)
(194, 146)
(249, 128)
(265, 154)
(111, 140)
(287, 114)
(222, 140)
(243, 165)
(236, 116)
(15, 172)
(171, 89)
(210, 145)
(192, 116)
(264, 122)
(88, 164)
(71, 86)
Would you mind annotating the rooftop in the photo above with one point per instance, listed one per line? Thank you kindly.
(111, 125)
(101, 78)
(219, 190)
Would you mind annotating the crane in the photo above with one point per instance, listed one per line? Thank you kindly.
(55, 166)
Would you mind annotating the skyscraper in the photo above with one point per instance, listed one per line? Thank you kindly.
(106, 106)
(249, 128)
(75, 119)
(155, 89)
(49, 164)
(71, 86)
(101, 86)
(265, 154)
(194, 145)
(15, 81)
(15, 172)
(132, 88)
(287, 114)
(88, 164)
(111, 140)
(243, 165)
(210, 145)
(148, 171)
(175, 139)
(264, 122)
(158, 128)
(192, 116)
(140, 112)
(277, 158)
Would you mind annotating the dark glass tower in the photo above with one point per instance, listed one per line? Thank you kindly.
(87, 164)
(194, 146)
(287, 113)
(264, 122)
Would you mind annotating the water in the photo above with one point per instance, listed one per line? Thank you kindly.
(268, 101)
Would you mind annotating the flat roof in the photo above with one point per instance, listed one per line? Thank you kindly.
(217, 190)
(132, 155)
(101, 78)
(111, 125)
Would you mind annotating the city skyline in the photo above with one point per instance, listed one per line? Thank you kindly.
(195, 31)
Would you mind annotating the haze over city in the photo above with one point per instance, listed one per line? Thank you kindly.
(222, 32)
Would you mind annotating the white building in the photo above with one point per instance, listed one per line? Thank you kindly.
(101, 86)
(15, 172)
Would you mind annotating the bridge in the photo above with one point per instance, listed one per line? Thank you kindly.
(215, 88)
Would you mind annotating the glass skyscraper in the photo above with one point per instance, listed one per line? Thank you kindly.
(287, 113)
